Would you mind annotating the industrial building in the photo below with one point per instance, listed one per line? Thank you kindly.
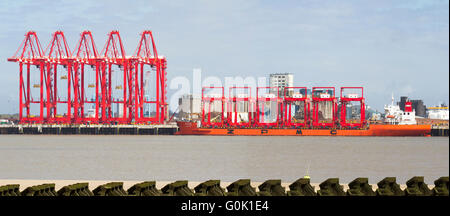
(439, 112)
(417, 105)
(189, 104)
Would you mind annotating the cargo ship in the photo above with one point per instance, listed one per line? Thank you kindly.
(290, 115)
(190, 128)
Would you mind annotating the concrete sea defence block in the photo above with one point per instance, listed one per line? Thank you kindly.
(241, 187)
(331, 187)
(272, 188)
(360, 187)
(209, 188)
(78, 189)
(147, 188)
(110, 189)
(178, 188)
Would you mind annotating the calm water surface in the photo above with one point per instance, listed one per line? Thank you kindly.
(199, 158)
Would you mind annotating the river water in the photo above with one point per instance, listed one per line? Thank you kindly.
(199, 158)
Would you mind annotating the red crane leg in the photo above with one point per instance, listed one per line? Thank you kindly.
(163, 94)
(20, 91)
(41, 99)
(158, 100)
(131, 98)
(55, 92)
(82, 93)
(75, 93)
(125, 71)
(97, 96)
(103, 103)
(48, 86)
(108, 92)
(27, 103)
(69, 99)
(136, 92)
(141, 105)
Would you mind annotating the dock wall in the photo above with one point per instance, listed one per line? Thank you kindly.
(90, 129)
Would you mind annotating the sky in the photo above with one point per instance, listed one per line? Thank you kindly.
(399, 47)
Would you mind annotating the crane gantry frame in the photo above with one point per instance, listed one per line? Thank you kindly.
(57, 53)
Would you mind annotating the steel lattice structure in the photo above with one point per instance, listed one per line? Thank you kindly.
(74, 102)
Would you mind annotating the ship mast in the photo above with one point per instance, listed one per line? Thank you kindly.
(392, 103)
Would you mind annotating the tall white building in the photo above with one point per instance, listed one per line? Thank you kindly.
(119, 110)
(281, 80)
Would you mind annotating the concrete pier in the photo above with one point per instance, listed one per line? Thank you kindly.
(167, 129)
(439, 131)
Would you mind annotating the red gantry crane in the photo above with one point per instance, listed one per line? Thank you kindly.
(147, 55)
(114, 54)
(86, 54)
(296, 99)
(59, 55)
(66, 86)
(347, 99)
(30, 54)
(212, 107)
(238, 104)
(325, 107)
(267, 107)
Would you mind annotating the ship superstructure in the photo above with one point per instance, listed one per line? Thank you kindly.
(394, 115)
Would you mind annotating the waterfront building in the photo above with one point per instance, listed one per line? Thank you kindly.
(281, 80)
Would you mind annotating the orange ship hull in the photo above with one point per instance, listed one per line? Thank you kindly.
(190, 128)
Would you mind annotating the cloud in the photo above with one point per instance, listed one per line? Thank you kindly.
(353, 42)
